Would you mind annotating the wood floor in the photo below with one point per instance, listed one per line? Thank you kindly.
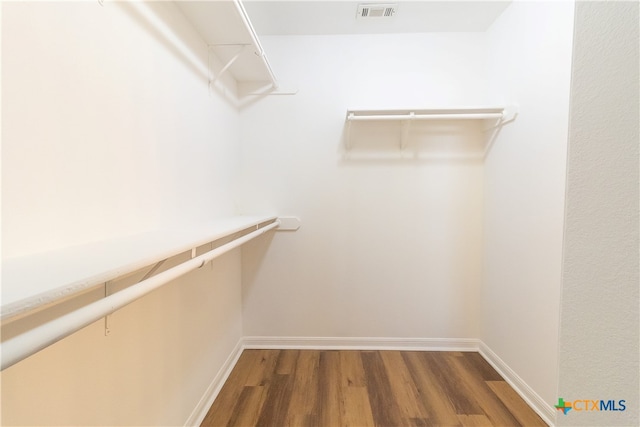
(279, 388)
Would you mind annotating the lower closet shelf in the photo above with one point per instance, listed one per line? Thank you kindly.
(112, 260)
(35, 281)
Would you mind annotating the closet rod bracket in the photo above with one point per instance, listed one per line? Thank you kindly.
(288, 223)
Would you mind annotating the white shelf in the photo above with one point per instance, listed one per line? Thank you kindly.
(492, 114)
(462, 113)
(226, 28)
(35, 281)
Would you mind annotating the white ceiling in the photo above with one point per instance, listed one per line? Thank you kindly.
(304, 17)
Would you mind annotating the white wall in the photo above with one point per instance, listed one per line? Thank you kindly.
(162, 354)
(529, 64)
(389, 247)
(599, 338)
(107, 131)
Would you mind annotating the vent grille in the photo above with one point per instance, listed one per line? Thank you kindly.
(367, 11)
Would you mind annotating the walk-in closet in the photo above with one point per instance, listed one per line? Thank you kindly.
(193, 186)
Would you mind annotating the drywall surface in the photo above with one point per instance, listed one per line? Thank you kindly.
(390, 243)
(161, 356)
(599, 357)
(109, 130)
(529, 61)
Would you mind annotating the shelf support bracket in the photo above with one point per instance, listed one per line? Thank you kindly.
(228, 64)
(406, 127)
(107, 318)
(510, 113)
(347, 136)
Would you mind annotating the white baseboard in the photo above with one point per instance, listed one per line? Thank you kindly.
(546, 411)
(203, 406)
(358, 343)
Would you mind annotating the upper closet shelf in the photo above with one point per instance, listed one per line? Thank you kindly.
(226, 28)
(463, 113)
(35, 281)
(496, 116)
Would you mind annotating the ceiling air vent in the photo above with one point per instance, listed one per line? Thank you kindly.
(386, 10)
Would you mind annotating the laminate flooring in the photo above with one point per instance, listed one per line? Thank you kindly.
(279, 388)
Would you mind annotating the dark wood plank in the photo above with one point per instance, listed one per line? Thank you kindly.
(329, 404)
(286, 363)
(263, 367)
(463, 402)
(275, 407)
(248, 407)
(435, 400)
(492, 407)
(475, 421)
(301, 412)
(356, 408)
(383, 404)
(352, 372)
(482, 367)
(517, 406)
(404, 389)
(420, 422)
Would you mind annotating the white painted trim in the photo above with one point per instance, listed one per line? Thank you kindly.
(533, 399)
(360, 343)
(203, 406)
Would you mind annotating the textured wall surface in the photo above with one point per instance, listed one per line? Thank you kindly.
(599, 357)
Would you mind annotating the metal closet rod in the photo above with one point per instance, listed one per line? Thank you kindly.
(24, 345)
(254, 39)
